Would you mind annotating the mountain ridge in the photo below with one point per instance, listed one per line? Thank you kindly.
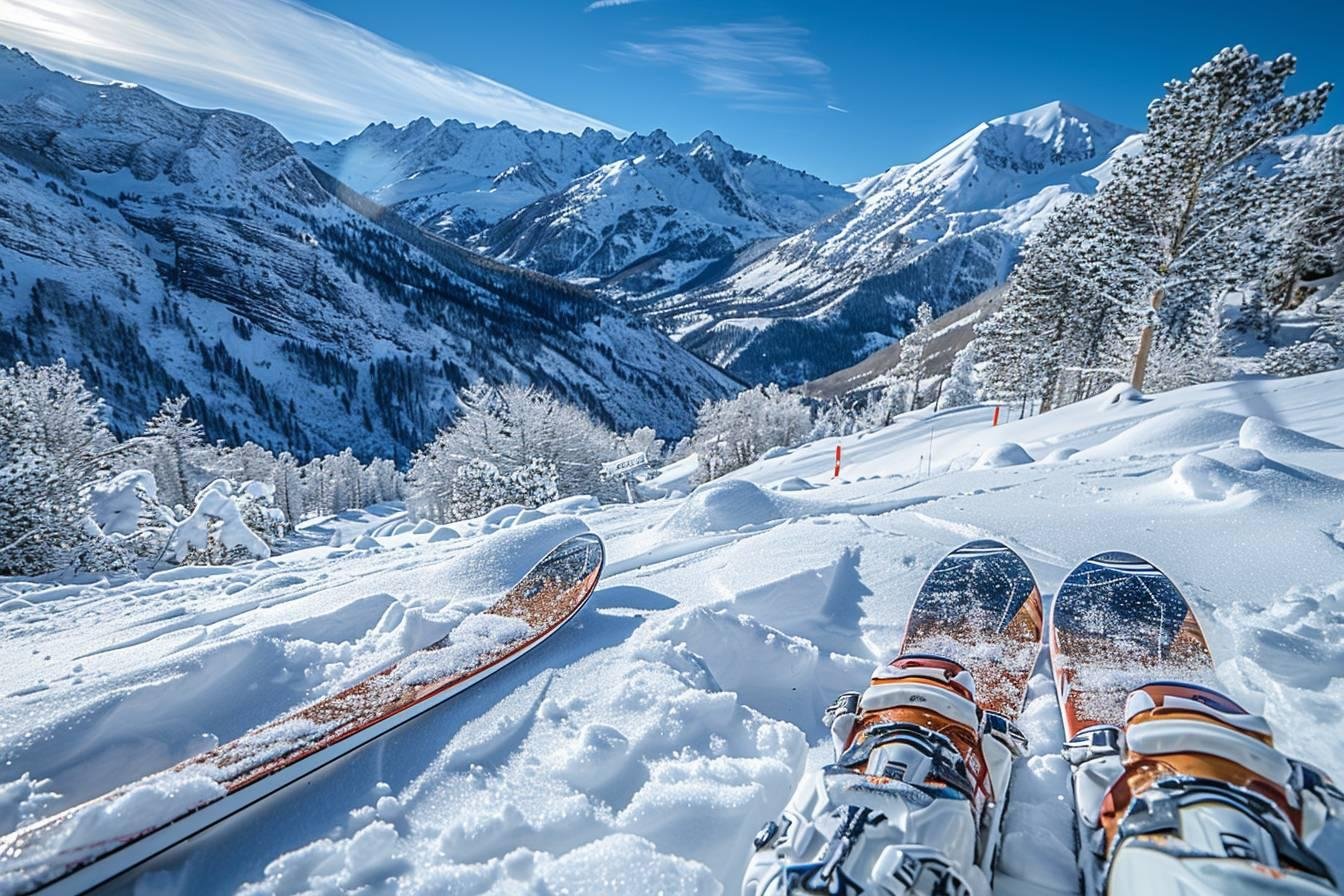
(941, 230)
(164, 250)
(638, 215)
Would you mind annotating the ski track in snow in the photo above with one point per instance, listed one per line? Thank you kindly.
(641, 747)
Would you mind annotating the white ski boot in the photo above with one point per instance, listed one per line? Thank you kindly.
(913, 802)
(1191, 797)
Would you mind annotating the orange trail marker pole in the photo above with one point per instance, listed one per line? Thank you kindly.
(996, 416)
(837, 462)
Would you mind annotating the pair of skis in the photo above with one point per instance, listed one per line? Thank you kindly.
(67, 854)
(1177, 789)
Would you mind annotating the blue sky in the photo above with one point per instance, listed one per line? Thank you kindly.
(841, 89)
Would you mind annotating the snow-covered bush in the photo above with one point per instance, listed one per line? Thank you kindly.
(479, 486)
(52, 448)
(502, 431)
(230, 523)
(734, 432)
(1300, 359)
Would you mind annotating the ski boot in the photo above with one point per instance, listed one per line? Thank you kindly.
(1191, 797)
(912, 803)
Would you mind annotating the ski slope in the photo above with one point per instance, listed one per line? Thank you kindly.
(650, 738)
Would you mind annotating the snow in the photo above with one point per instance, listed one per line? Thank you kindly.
(1009, 454)
(642, 745)
(116, 503)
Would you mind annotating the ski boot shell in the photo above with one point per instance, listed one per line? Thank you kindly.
(1191, 797)
(912, 803)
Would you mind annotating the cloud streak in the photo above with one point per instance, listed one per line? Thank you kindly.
(608, 4)
(313, 75)
(755, 65)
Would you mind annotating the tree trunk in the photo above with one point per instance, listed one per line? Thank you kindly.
(1145, 343)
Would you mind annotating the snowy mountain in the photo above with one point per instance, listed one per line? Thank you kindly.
(941, 231)
(640, 749)
(640, 215)
(457, 179)
(166, 249)
(652, 223)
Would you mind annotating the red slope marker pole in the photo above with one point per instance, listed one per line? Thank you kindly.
(996, 416)
(837, 462)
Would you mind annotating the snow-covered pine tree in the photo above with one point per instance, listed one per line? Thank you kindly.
(909, 369)
(508, 428)
(1188, 190)
(175, 442)
(53, 447)
(959, 390)
(731, 433)
(1304, 240)
(288, 488)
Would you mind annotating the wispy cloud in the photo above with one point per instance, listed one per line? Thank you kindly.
(313, 75)
(756, 65)
(608, 4)
(835, 108)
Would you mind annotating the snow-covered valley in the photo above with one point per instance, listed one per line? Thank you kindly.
(642, 746)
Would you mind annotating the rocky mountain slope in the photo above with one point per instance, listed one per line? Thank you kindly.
(165, 249)
(639, 216)
(941, 231)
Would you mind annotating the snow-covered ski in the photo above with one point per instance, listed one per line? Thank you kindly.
(89, 844)
(914, 800)
(1177, 788)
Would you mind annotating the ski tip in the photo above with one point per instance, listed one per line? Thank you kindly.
(1119, 561)
(980, 547)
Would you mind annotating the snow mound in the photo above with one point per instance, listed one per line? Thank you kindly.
(572, 504)
(116, 504)
(725, 505)
(366, 543)
(1266, 435)
(1171, 432)
(1118, 396)
(494, 564)
(1009, 454)
(442, 533)
(1231, 472)
(794, 484)
(1059, 455)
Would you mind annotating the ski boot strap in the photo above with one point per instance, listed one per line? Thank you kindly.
(1157, 811)
(1096, 742)
(930, 757)
(1171, 698)
(1002, 729)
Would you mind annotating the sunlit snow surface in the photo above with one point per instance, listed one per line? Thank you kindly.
(639, 748)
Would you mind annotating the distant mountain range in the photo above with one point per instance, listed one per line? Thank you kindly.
(639, 216)
(767, 271)
(940, 231)
(171, 250)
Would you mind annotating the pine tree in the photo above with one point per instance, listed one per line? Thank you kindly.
(734, 432)
(175, 441)
(908, 374)
(53, 446)
(959, 390)
(508, 428)
(1187, 192)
